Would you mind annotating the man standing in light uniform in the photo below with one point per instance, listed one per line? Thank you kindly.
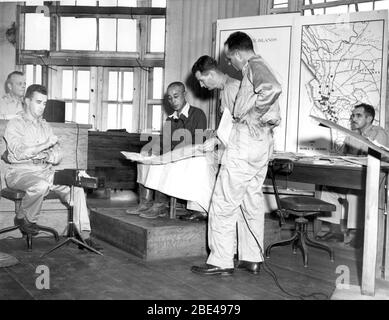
(238, 196)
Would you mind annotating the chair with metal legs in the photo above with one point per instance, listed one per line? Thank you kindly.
(300, 206)
(16, 196)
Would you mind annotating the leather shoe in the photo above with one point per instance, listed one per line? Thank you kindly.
(331, 237)
(26, 226)
(91, 244)
(252, 267)
(195, 216)
(209, 269)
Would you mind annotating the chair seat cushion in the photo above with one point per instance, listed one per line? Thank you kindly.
(308, 204)
(12, 194)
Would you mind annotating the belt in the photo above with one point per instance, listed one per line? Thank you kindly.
(37, 162)
(238, 120)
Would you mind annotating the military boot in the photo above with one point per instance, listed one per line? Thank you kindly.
(145, 201)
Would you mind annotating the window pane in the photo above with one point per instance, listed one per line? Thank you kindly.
(83, 84)
(86, 3)
(82, 113)
(68, 2)
(38, 74)
(338, 9)
(112, 113)
(128, 86)
(29, 75)
(67, 84)
(352, 8)
(366, 6)
(37, 32)
(78, 33)
(34, 2)
(126, 35)
(157, 37)
(156, 118)
(280, 4)
(127, 117)
(107, 3)
(113, 86)
(68, 111)
(158, 3)
(380, 5)
(127, 3)
(157, 83)
(107, 39)
(319, 11)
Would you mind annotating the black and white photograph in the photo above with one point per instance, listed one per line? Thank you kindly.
(194, 157)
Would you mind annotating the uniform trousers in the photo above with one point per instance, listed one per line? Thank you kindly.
(37, 182)
(238, 192)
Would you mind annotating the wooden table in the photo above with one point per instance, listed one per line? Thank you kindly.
(376, 227)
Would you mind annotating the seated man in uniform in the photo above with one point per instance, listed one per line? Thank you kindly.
(350, 203)
(179, 130)
(12, 102)
(32, 150)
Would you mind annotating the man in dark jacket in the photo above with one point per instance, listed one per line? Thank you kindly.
(179, 130)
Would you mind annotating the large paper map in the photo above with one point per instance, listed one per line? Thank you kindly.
(326, 65)
(341, 66)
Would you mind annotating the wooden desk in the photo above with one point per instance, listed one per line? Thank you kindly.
(354, 178)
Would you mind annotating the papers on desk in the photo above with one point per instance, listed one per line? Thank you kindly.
(322, 159)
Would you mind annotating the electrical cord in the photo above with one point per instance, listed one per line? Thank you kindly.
(272, 273)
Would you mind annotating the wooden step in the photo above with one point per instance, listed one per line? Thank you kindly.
(161, 238)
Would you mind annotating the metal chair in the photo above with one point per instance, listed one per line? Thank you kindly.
(17, 196)
(299, 206)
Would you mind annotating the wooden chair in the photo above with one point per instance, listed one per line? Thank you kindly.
(299, 206)
(17, 196)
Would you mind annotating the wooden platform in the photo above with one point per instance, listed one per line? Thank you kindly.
(160, 238)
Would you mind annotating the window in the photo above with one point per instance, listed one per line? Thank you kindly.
(119, 99)
(76, 94)
(99, 55)
(155, 100)
(33, 74)
(313, 7)
(37, 32)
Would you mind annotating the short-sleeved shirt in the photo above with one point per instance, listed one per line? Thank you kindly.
(22, 132)
(257, 100)
(10, 106)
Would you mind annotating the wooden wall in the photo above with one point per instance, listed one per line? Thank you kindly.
(105, 161)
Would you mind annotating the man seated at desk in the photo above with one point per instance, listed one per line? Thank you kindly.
(32, 150)
(12, 102)
(179, 130)
(352, 202)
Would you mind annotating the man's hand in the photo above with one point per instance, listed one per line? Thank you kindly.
(210, 144)
(52, 141)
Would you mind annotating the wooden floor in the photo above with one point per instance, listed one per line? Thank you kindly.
(76, 274)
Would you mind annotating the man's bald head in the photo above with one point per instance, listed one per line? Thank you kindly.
(15, 84)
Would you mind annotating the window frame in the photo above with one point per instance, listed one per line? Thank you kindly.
(141, 61)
